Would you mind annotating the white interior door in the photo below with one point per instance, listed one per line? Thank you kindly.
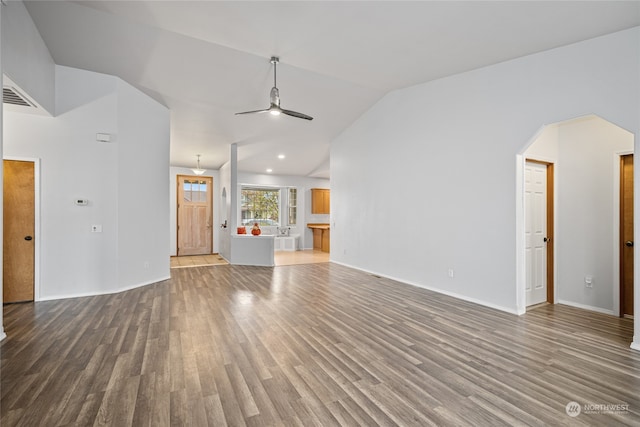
(536, 231)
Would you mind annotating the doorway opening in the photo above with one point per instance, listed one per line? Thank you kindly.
(586, 245)
(539, 227)
(626, 235)
(195, 215)
(21, 237)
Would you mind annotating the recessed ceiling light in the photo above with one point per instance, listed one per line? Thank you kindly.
(269, 170)
(281, 156)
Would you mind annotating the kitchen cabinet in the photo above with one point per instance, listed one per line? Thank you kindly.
(320, 201)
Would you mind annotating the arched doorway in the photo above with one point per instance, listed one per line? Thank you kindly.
(586, 155)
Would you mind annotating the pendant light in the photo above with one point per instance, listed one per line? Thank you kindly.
(197, 170)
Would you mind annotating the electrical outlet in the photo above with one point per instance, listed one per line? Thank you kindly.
(450, 273)
(588, 281)
(146, 264)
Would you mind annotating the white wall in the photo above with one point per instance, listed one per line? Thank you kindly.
(173, 209)
(545, 146)
(225, 201)
(439, 157)
(304, 186)
(124, 181)
(228, 198)
(73, 259)
(588, 201)
(26, 59)
(143, 171)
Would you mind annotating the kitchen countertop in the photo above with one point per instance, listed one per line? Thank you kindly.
(321, 226)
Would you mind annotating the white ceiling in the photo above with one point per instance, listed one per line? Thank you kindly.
(207, 60)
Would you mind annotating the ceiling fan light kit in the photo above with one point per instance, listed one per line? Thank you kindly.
(274, 96)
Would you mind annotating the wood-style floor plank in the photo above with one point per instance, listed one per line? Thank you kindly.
(305, 345)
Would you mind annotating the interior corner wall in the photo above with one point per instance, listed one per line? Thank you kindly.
(225, 211)
(174, 171)
(428, 173)
(545, 146)
(26, 59)
(74, 260)
(143, 196)
(587, 212)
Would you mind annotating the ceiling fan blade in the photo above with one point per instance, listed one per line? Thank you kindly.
(296, 114)
(254, 111)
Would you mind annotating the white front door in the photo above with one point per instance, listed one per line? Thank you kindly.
(535, 208)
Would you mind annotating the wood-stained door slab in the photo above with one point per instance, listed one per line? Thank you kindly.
(195, 215)
(18, 231)
(626, 235)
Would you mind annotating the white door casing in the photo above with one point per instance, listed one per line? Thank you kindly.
(535, 202)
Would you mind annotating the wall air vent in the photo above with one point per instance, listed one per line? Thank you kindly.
(13, 97)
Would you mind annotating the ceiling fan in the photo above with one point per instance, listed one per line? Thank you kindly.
(274, 108)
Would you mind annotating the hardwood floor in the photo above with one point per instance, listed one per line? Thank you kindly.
(280, 258)
(310, 256)
(315, 344)
(196, 261)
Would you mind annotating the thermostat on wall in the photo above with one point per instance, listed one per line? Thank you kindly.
(82, 202)
(103, 137)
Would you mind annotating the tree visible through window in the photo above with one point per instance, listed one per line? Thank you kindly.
(261, 205)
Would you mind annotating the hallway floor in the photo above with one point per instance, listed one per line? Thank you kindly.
(280, 258)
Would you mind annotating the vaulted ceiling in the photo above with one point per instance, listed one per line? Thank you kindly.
(207, 60)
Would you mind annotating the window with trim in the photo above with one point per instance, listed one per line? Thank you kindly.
(293, 206)
(269, 206)
(260, 205)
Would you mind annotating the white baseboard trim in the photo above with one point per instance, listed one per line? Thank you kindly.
(440, 291)
(635, 345)
(2, 334)
(115, 291)
(587, 307)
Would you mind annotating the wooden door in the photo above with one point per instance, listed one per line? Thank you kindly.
(536, 232)
(626, 235)
(195, 235)
(19, 228)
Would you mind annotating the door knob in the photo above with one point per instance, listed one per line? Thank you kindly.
(547, 239)
(28, 238)
(629, 243)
